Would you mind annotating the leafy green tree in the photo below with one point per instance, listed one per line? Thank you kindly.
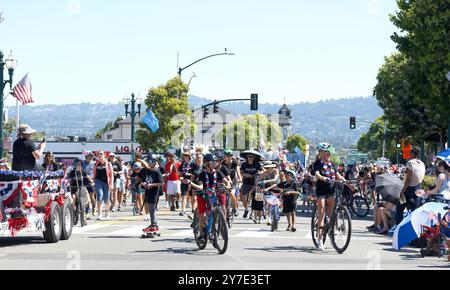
(296, 141)
(423, 40)
(167, 102)
(245, 133)
(372, 141)
(10, 127)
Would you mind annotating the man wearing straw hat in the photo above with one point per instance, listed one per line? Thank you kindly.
(25, 152)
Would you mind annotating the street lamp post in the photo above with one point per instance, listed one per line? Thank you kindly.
(180, 70)
(133, 114)
(11, 64)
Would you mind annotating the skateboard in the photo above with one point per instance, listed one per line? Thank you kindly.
(151, 235)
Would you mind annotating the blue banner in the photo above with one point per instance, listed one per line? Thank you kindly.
(151, 121)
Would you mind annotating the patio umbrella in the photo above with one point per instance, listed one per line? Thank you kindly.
(389, 187)
(411, 227)
(444, 155)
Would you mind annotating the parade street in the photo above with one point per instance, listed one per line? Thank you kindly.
(117, 244)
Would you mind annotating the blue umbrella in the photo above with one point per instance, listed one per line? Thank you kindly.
(410, 228)
(445, 155)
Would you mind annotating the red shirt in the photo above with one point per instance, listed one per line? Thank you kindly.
(172, 170)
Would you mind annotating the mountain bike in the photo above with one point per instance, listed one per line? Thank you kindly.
(355, 200)
(215, 229)
(338, 226)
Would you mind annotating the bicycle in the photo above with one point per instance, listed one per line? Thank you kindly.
(355, 200)
(229, 214)
(338, 226)
(215, 229)
(81, 196)
(273, 205)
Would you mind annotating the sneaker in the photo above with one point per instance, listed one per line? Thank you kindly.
(119, 209)
(172, 208)
(293, 230)
(235, 212)
(107, 216)
(149, 229)
(147, 218)
(320, 246)
(177, 204)
(113, 210)
(99, 217)
(245, 214)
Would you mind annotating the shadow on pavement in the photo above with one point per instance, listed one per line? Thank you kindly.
(277, 249)
(185, 251)
(19, 241)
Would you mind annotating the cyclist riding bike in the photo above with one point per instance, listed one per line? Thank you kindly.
(232, 167)
(326, 174)
(206, 196)
(78, 179)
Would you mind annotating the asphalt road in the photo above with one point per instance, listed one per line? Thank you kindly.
(117, 244)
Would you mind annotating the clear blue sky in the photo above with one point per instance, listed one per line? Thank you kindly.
(98, 50)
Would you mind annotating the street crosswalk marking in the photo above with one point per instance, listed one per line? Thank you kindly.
(234, 233)
(253, 234)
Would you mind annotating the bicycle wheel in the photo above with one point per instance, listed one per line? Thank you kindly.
(275, 215)
(81, 209)
(314, 227)
(341, 230)
(201, 244)
(220, 232)
(230, 217)
(360, 206)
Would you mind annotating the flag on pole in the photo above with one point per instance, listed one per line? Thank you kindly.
(23, 91)
(151, 121)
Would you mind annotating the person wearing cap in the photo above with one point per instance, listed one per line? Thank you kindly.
(196, 168)
(135, 189)
(186, 164)
(88, 165)
(104, 183)
(152, 181)
(250, 168)
(78, 177)
(25, 152)
(325, 173)
(232, 168)
(117, 193)
(172, 169)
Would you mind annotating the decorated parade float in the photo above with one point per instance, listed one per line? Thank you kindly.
(35, 202)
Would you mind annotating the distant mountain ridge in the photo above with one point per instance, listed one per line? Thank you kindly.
(318, 121)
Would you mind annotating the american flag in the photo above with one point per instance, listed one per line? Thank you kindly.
(23, 91)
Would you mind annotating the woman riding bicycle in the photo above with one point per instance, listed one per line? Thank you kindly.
(207, 184)
(325, 174)
(77, 179)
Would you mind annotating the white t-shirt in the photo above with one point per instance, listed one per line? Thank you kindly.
(417, 168)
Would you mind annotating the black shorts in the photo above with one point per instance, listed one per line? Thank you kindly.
(246, 189)
(151, 197)
(289, 207)
(257, 205)
(184, 189)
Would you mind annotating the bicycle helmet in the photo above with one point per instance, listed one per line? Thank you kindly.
(228, 152)
(325, 147)
(209, 157)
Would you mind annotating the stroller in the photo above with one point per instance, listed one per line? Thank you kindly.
(435, 238)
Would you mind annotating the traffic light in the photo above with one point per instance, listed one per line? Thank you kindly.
(205, 112)
(352, 123)
(254, 102)
(216, 107)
